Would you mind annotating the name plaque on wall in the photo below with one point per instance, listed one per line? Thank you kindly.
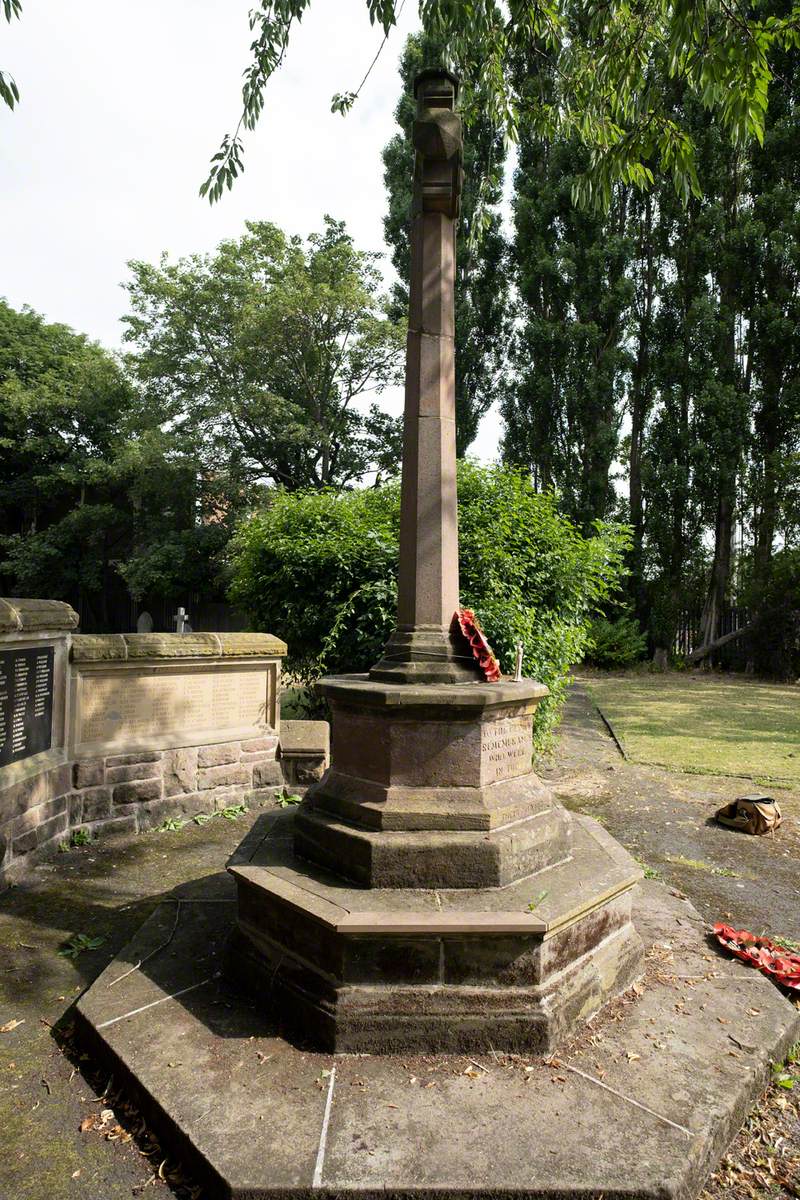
(126, 705)
(26, 703)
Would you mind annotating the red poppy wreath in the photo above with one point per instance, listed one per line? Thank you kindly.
(774, 960)
(481, 650)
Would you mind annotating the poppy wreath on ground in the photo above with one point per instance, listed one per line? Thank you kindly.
(778, 962)
(482, 652)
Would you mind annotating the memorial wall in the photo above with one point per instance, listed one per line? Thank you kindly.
(114, 733)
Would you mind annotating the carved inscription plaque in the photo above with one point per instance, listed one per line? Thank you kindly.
(506, 748)
(128, 705)
(26, 703)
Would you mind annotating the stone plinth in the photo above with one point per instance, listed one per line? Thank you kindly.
(644, 1108)
(430, 893)
(431, 786)
(416, 969)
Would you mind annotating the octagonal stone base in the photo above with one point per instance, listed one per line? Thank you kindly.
(384, 969)
(431, 787)
(255, 1117)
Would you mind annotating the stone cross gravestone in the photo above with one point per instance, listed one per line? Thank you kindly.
(430, 893)
(180, 620)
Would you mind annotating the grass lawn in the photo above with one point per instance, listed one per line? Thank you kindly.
(705, 724)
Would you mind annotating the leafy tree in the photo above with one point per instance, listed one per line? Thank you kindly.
(98, 504)
(725, 369)
(320, 569)
(608, 59)
(771, 476)
(61, 401)
(481, 324)
(262, 352)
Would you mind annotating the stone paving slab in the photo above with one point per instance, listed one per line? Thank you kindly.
(642, 1104)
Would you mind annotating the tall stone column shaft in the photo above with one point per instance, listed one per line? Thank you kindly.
(422, 649)
(428, 575)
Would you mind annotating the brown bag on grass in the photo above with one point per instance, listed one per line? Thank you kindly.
(752, 814)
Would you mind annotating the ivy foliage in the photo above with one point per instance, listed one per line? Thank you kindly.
(318, 569)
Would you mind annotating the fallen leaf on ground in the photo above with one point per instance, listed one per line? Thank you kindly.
(9, 1025)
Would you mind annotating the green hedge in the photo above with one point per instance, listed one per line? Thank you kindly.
(615, 643)
(318, 569)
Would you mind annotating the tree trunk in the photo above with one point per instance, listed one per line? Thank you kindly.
(640, 403)
(727, 471)
(720, 570)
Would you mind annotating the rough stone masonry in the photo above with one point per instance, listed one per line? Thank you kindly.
(114, 733)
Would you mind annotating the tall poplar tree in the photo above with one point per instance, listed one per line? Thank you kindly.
(563, 406)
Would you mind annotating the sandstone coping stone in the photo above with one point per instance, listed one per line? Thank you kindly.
(23, 615)
(132, 646)
(304, 737)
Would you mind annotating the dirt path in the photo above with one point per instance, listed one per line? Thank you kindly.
(666, 820)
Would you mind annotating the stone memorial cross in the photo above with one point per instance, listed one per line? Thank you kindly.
(430, 893)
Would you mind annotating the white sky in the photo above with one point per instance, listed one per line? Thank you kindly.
(123, 104)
